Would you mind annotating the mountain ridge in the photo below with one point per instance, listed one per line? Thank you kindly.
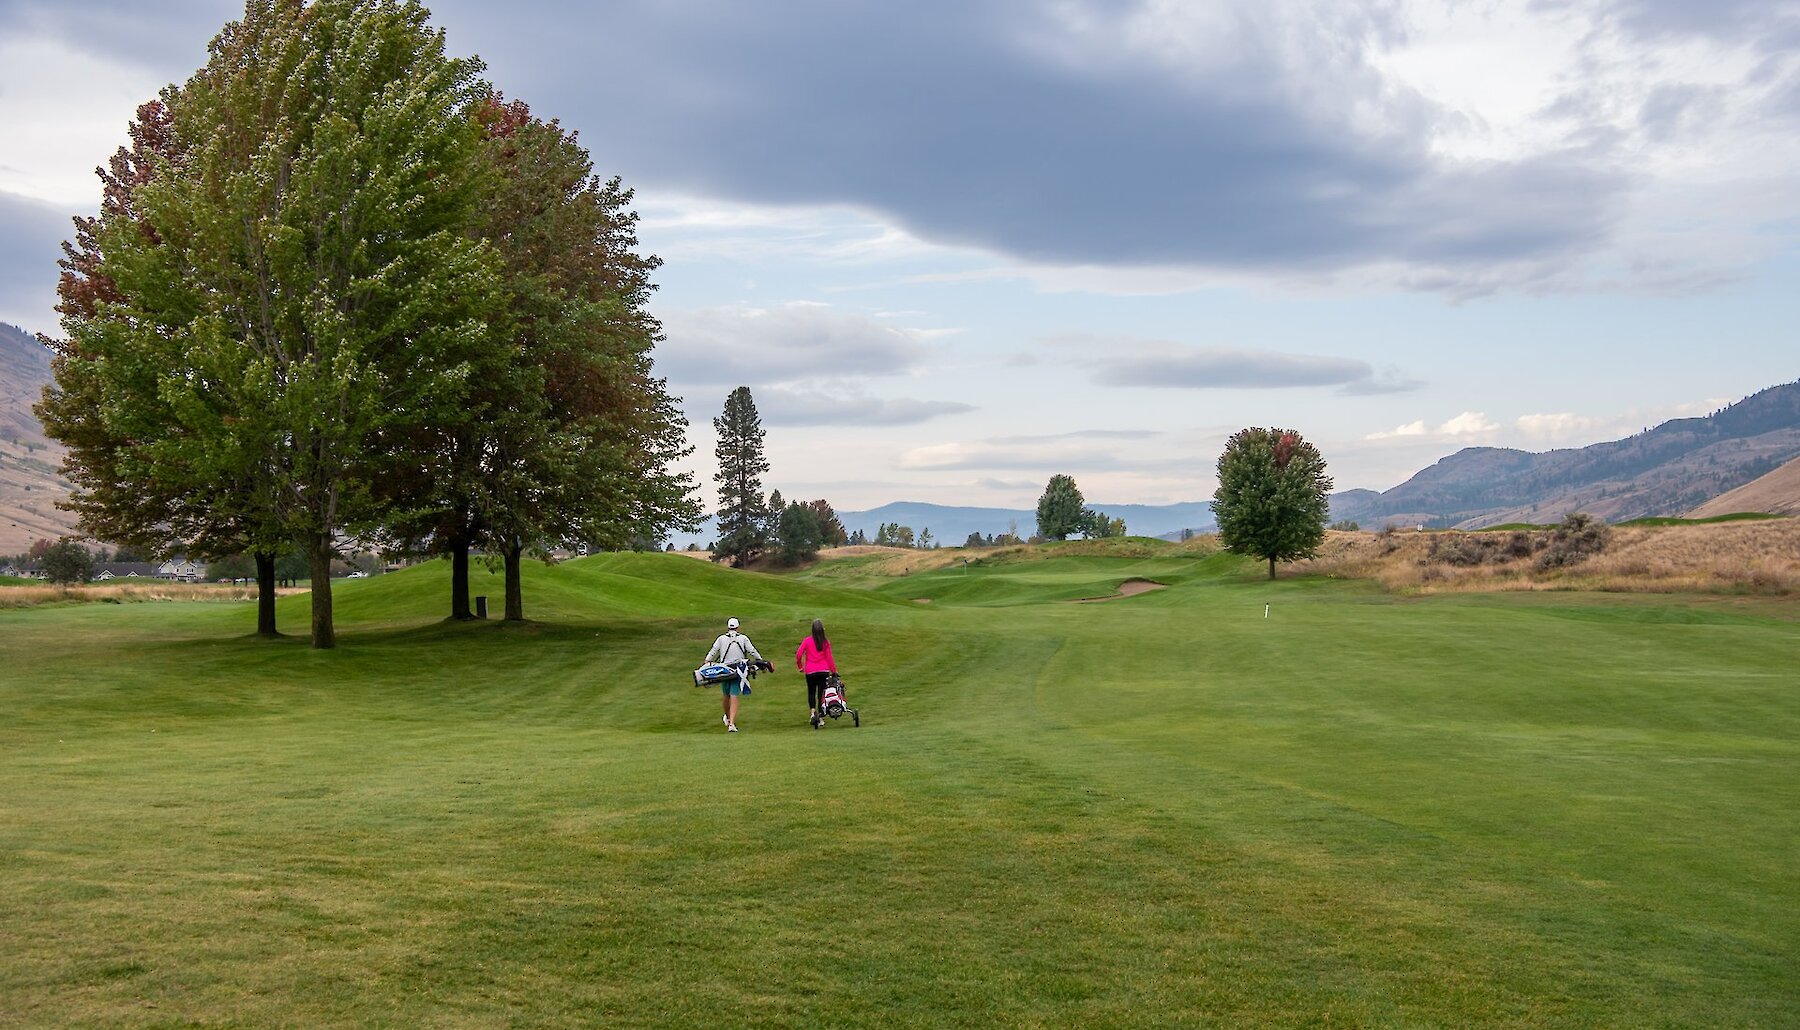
(1665, 470)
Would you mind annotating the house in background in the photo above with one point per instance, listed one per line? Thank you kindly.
(184, 569)
(20, 571)
(125, 570)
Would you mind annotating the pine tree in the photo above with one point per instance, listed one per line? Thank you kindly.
(743, 514)
(799, 535)
(1059, 510)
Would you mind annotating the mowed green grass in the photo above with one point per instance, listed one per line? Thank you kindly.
(1169, 809)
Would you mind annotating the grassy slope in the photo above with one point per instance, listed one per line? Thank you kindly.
(1522, 809)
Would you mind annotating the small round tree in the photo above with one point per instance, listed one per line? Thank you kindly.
(798, 533)
(1273, 495)
(1061, 510)
(67, 562)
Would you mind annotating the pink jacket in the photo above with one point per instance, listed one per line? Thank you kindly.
(810, 659)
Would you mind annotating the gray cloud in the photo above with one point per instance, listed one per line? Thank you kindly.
(1128, 362)
(33, 233)
(994, 124)
(1082, 451)
(983, 123)
(1383, 383)
(737, 346)
(1771, 24)
(1080, 434)
(785, 407)
(170, 36)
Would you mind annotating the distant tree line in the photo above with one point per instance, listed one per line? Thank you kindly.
(340, 290)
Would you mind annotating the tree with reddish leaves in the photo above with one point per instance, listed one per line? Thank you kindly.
(145, 497)
(290, 287)
(573, 434)
(1273, 496)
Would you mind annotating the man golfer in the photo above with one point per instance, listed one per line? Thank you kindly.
(733, 649)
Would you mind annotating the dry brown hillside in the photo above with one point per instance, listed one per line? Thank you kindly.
(1761, 556)
(1778, 493)
(30, 463)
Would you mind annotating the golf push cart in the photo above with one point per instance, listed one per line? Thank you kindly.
(832, 704)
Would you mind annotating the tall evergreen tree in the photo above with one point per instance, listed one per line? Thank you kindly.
(831, 530)
(743, 513)
(1059, 509)
(798, 533)
(1273, 496)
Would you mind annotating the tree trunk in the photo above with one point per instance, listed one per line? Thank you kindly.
(319, 557)
(1271, 568)
(459, 579)
(265, 594)
(515, 594)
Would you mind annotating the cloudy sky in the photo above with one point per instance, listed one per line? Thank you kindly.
(957, 246)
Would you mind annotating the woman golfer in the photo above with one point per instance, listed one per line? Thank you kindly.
(815, 660)
(734, 649)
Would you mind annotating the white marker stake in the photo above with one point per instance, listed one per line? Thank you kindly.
(1265, 611)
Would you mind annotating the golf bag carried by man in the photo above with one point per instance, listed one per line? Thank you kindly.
(732, 662)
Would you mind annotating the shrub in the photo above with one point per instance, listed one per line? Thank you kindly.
(1578, 537)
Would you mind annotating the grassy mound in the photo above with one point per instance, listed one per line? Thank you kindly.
(1177, 808)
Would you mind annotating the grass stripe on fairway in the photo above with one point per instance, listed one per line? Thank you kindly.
(1160, 810)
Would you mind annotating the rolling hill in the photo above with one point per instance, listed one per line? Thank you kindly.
(1666, 470)
(1777, 493)
(30, 462)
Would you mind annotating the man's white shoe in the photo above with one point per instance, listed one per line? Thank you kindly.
(730, 727)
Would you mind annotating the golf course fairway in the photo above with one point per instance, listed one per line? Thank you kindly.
(1177, 808)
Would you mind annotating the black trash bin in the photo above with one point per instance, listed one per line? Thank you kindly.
(481, 606)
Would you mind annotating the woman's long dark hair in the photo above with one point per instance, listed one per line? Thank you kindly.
(819, 634)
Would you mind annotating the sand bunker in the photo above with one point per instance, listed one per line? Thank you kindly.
(1126, 589)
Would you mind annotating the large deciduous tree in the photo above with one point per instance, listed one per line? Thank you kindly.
(140, 477)
(743, 513)
(1060, 509)
(294, 287)
(572, 435)
(1273, 495)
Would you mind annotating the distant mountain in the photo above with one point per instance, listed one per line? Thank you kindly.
(31, 480)
(1777, 493)
(1662, 471)
(950, 525)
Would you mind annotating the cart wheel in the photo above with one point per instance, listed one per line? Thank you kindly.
(855, 717)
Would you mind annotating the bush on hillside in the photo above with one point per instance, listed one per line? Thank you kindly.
(1571, 542)
(1578, 537)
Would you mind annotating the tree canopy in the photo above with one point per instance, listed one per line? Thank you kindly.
(1273, 495)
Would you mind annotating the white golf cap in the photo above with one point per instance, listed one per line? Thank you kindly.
(731, 624)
